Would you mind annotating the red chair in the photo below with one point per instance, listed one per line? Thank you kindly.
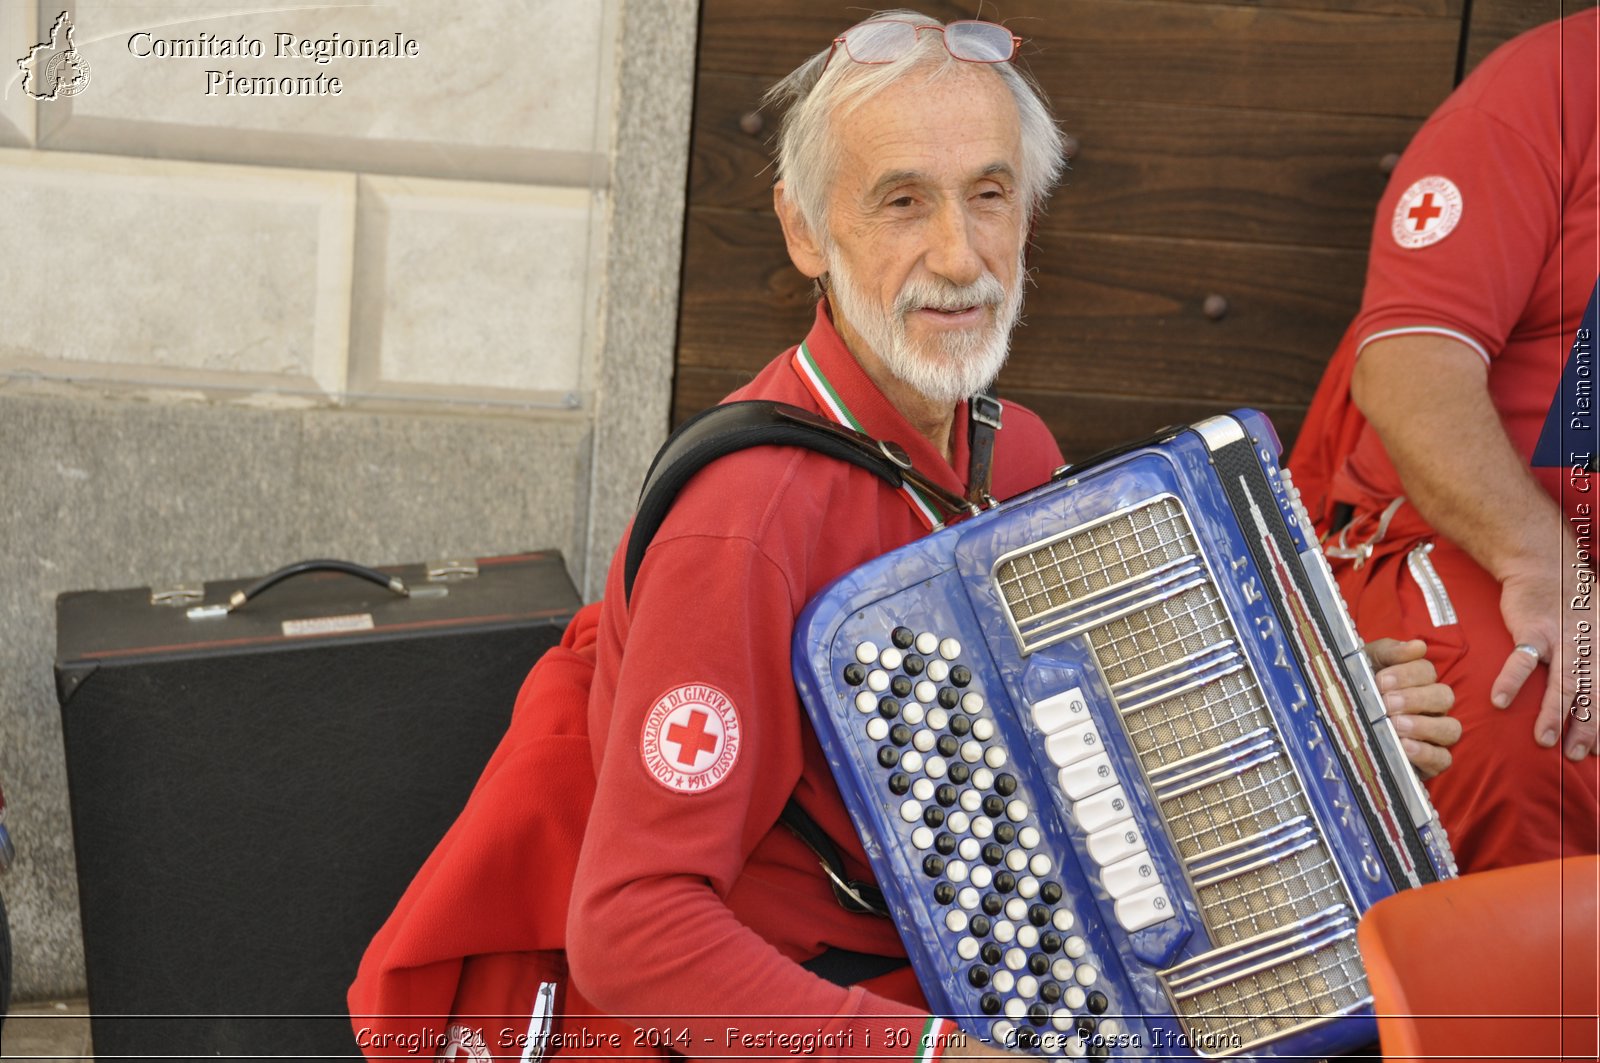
(1501, 964)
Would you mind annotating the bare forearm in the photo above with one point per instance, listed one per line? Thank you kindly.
(1428, 400)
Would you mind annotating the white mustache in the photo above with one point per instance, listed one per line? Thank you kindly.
(929, 294)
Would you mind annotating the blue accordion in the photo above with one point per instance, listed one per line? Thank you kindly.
(1119, 762)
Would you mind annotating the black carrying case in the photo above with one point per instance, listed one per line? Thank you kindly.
(252, 792)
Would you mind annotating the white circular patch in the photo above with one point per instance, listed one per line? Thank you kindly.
(463, 1043)
(691, 738)
(1427, 212)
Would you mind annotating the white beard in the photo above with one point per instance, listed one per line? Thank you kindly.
(950, 367)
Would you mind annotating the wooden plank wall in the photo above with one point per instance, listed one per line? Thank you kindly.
(1224, 149)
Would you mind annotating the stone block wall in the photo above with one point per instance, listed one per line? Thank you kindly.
(430, 314)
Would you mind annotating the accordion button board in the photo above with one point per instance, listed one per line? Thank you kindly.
(1118, 761)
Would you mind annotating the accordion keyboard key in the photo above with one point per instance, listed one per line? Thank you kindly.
(1115, 843)
(1101, 810)
(1072, 745)
(1145, 908)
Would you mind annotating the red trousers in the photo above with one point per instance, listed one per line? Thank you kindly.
(1505, 799)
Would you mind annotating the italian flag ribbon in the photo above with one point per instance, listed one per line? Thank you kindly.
(828, 398)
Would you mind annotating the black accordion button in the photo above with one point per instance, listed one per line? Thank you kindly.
(903, 637)
(991, 953)
(978, 975)
(944, 844)
(993, 904)
(948, 745)
(1050, 942)
(960, 725)
(888, 756)
(944, 893)
(888, 708)
(1050, 892)
(901, 686)
(1028, 1039)
(989, 1004)
(913, 664)
(1098, 1003)
(1039, 1014)
(960, 675)
(979, 927)
(1085, 1027)
(933, 866)
(1005, 881)
(1039, 965)
(993, 854)
(1050, 992)
(948, 697)
(1005, 785)
(1005, 834)
(899, 783)
(933, 816)
(960, 773)
(855, 674)
(1039, 915)
(946, 794)
(900, 734)
(994, 806)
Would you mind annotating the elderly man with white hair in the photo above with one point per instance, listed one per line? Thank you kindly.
(912, 160)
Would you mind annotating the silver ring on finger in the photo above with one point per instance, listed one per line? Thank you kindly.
(1531, 651)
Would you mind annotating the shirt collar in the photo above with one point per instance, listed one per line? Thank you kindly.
(878, 417)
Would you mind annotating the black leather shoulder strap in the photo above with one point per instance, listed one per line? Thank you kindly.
(735, 426)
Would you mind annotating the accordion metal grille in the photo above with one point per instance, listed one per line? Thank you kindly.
(1137, 587)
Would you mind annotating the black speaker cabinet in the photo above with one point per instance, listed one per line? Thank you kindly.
(251, 792)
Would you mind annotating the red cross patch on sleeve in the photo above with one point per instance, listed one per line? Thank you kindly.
(691, 738)
(1427, 212)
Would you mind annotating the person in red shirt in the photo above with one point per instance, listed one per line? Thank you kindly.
(1453, 456)
(912, 160)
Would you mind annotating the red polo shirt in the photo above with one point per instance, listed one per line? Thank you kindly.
(690, 904)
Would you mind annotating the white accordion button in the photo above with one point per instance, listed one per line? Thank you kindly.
(1027, 985)
(983, 779)
(1075, 947)
(865, 702)
(878, 680)
(949, 649)
(1027, 936)
(937, 717)
(1115, 843)
(891, 659)
(912, 713)
(935, 767)
(1145, 908)
(971, 800)
(922, 838)
(1060, 711)
(968, 898)
(1063, 1020)
(972, 703)
(1028, 887)
(1016, 859)
(1016, 812)
(877, 728)
(922, 790)
(1086, 974)
(1016, 959)
(926, 692)
(1016, 1009)
(1087, 777)
(955, 920)
(911, 762)
(1004, 981)
(956, 822)
(923, 740)
(983, 730)
(1062, 920)
(1004, 932)
(927, 642)
(1017, 908)
(994, 756)
(1073, 997)
(910, 811)
(982, 876)
(1041, 865)
(971, 752)
(866, 653)
(937, 671)
(967, 948)
(982, 827)
(1129, 875)
(1072, 745)
(1102, 809)
(955, 871)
